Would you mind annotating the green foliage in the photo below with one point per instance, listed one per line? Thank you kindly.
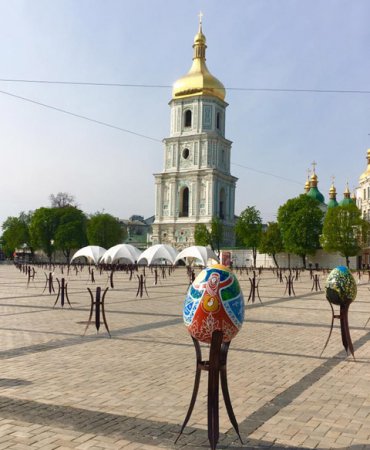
(202, 235)
(15, 233)
(71, 230)
(344, 231)
(213, 238)
(248, 229)
(300, 221)
(43, 227)
(60, 228)
(217, 234)
(104, 230)
(271, 241)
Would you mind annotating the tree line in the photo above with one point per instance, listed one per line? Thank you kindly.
(61, 227)
(301, 229)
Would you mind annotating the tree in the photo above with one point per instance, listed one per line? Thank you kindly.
(248, 228)
(71, 230)
(62, 200)
(213, 238)
(43, 227)
(16, 233)
(202, 235)
(300, 221)
(217, 234)
(104, 230)
(344, 231)
(271, 241)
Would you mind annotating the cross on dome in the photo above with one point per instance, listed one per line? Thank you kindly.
(200, 15)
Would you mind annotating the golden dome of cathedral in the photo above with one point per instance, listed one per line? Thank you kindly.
(198, 81)
(367, 171)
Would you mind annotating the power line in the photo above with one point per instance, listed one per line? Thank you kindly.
(99, 122)
(267, 173)
(64, 111)
(165, 86)
(84, 83)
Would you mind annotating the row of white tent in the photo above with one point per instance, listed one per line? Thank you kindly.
(157, 254)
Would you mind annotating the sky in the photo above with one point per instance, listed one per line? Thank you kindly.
(265, 48)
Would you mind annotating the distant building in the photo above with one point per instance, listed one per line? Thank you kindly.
(363, 191)
(138, 230)
(363, 203)
(196, 184)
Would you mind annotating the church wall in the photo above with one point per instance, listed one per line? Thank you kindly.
(324, 260)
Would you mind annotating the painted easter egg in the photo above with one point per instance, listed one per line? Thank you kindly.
(340, 287)
(214, 302)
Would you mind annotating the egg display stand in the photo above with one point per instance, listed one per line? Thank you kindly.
(62, 293)
(49, 283)
(216, 368)
(254, 288)
(98, 302)
(344, 328)
(289, 286)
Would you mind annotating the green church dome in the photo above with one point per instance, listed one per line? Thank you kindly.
(316, 194)
(347, 200)
(332, 203)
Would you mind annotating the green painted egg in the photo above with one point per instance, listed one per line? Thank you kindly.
(340, 287)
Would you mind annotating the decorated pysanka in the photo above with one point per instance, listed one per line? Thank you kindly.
(214, 302)
(340, 287)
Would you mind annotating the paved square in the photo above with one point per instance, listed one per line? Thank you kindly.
(61, 390)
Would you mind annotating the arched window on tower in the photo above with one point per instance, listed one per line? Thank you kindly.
(188, 118)
(184, 203)
(222, 204)
(218, 121)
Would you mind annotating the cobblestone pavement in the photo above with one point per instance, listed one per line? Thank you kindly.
(62, 390)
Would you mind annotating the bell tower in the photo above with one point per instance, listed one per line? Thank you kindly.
(195, 184)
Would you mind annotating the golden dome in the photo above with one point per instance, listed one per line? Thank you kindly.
(332, 191)
(347, 192)
(367, 171)
(198, 81)
(313, 180)
(307, 186)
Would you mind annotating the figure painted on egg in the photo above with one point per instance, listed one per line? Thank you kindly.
(214, 302)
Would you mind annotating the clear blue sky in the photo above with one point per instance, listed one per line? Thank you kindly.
(269, 44)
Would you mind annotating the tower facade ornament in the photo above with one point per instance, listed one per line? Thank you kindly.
(363, 191)
(196, 184)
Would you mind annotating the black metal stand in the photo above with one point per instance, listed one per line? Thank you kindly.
(92, 276)
(316, 283)
(344, 328)
(254, 288)
(99, 307)
(216, 368)
(49, 283)
(111, 278)
(289, 286)
(62, 293)
(30, 276)
(141, 286)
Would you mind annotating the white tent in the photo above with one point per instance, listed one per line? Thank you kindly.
(157, 253)
(125, 252)
(92, 253)
(200, 254)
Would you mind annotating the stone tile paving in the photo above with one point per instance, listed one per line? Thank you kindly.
(62, 390)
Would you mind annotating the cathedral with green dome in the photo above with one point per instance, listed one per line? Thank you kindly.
(312, 190)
